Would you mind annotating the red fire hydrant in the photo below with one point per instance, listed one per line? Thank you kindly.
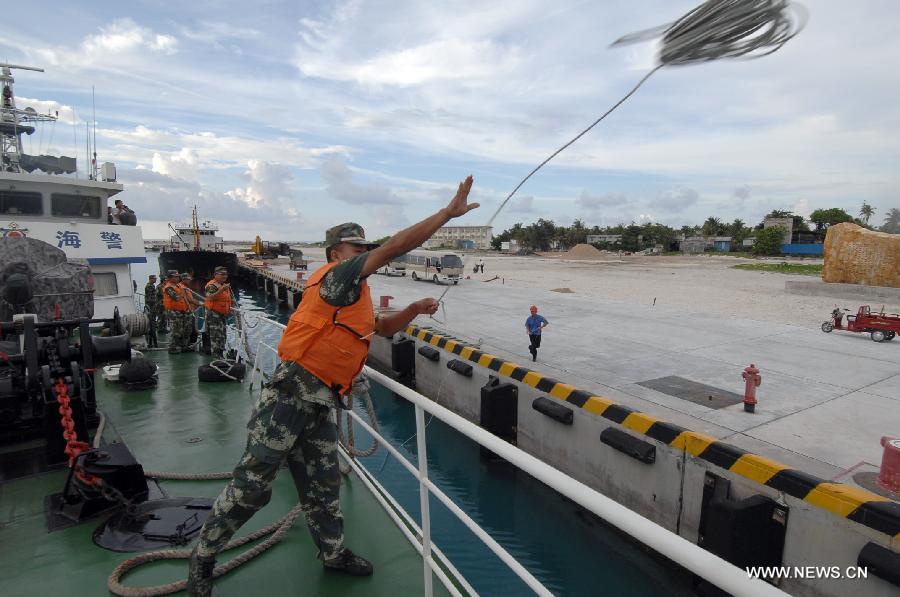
(752, 380)
(385, 301)
(889, 477)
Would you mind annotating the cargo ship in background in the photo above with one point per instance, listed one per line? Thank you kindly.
(195, 248)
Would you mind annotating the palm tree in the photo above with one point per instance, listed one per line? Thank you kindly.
(866, 212)
(892, 221)
(712, 227)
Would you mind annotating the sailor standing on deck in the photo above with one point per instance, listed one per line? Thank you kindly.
(150, 306)
(162, 324)
(189, 321)
(218, 308)
(178, 308)
(322, 350)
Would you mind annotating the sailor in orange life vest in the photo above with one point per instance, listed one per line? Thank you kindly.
(322, 350)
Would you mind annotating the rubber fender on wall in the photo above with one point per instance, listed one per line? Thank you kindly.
(629, 445)
(460, 367)
(432, 354)
(554, 410)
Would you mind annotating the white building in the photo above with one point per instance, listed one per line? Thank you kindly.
(603, 238)
(479, 237)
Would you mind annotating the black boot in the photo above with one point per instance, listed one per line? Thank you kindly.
(200, 575)
(349, 563)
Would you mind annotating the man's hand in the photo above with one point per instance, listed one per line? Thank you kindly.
(459, 205)
(427, 306)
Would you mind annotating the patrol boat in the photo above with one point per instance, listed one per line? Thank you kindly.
(46, 197)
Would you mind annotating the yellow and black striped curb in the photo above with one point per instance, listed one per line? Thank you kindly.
(846, 501)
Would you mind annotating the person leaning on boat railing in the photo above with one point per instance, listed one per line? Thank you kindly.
(322, 350)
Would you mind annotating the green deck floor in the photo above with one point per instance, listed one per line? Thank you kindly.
(185, 426)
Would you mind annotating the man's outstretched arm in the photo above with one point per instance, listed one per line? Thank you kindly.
(410, 238)
(390, 325)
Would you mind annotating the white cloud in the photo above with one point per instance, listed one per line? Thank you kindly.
(168, 149)
(589, 201)
(341, 186)
(676, 200)
(445, 59)
(182, 165)
(116, 41)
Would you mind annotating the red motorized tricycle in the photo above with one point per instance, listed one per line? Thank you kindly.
(881, 327)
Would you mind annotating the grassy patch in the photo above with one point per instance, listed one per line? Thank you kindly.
(783, 268)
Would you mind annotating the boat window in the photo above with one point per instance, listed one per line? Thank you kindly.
(451, 260)
(20, 203)
(64, 205)
(105, 284)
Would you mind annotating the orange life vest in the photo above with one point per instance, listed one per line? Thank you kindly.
(179, 304)
(330, 342)
(221, 303)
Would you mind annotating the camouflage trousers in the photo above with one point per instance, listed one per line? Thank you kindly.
(182, 324)
(215, 325)
(158, 313)
(283, 427)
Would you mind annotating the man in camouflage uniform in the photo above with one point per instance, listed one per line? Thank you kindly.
(150, 307)
(179, 321)
(188, 321)
(215, 321)
(293, 419)
(162, 323)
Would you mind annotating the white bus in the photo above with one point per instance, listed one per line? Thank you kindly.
(437, 266)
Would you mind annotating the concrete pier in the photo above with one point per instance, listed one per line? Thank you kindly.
(278, 285)
(812, 445)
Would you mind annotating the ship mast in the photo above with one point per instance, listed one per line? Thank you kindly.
(13, 121)
(195, 226)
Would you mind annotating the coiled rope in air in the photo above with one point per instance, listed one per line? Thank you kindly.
(714, 30)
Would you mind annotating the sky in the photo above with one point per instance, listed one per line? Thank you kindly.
(285, 118)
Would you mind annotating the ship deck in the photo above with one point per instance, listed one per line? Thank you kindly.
(185, 426)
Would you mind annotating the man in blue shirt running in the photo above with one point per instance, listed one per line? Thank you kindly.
(533, 326)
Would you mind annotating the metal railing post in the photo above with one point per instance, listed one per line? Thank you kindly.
(423, 498)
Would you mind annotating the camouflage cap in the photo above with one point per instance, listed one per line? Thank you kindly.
(172, 273)
(221, 270)
(349, 232)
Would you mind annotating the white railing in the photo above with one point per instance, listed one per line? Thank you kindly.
(712, 568)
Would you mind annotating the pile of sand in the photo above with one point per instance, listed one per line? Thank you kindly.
(582, 251)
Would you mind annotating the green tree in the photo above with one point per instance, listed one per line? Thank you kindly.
(738, 232)
(514, 233)
(824, 218)
(689, 231)
(382, 240)
(779, 213)
(539, 235)
(712, 227)
(631, 237)
(891, 221)
(768, 241)
(866, 212)
(658, 234)
(575, 234)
